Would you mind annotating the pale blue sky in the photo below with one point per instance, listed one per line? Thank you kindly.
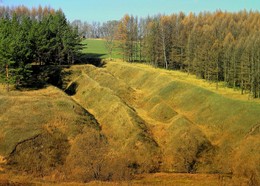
(104, 10)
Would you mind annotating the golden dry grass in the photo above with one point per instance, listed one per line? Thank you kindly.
(37, 130)
(146, 120)
(204, 123)
(192, 79)
(157, 179)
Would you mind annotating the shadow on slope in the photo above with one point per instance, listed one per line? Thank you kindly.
(91, 58)
(106, 95)
(107, 98)
(45, 133)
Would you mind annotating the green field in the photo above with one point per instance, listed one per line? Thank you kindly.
(96, 48)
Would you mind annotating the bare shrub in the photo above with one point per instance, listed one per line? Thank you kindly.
(91, 159)
(143, 158)
(186, 147)
(246, 163)
(40, 155)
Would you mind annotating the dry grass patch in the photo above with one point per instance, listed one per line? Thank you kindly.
(36, 127)
(223, 117)
(109, 99)
(142, 120)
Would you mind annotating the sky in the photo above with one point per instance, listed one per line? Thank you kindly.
(105, 10)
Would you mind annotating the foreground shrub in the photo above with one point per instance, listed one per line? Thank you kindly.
(247, 161)
(41, 154)
(91, 159)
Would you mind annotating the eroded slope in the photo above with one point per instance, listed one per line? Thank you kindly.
(125, 119)
(46, 133)
(161, 119)
(107, 98)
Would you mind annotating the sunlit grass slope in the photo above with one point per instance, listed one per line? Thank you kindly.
(143, 121)
(39, 130)
(218, 122)
(107, 98)
(196, 128)
(96, 48)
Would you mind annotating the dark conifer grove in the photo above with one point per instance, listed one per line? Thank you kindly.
(40, 36)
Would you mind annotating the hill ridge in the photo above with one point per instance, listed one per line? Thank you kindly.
(213, 120)
(126, 119)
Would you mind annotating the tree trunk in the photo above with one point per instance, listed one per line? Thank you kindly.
(110, 55)
(234, 73)
(253, 79)
(7, 77)
(164, 49)
(165, 59)
(258, 75)
(242, 78)
(217, 75)
(181, 63)
(140, 51)
(242, 86)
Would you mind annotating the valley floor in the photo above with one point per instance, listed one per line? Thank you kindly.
(158, 179)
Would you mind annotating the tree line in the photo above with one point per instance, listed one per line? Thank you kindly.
(40, 36)
(218, 46)
(89, 30)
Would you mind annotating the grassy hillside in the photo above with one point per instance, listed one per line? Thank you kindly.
(130, 122)
(44, 133)
(217, 124)
(127, 133)
(196, 129)
(25, 112)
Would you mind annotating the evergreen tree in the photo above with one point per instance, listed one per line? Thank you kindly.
(40, 36)
(6, 52)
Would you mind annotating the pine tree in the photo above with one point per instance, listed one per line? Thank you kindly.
(42, 36)
(6, 52)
